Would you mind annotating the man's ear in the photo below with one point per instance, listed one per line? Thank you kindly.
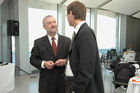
(72, 14)
(43, 26)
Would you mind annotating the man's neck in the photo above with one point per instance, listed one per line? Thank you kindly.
(77, 22)
(52, 35)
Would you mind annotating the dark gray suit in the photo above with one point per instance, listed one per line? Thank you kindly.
(84, 62)
(50, 81)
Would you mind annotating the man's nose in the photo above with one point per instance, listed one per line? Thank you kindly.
(53, 24)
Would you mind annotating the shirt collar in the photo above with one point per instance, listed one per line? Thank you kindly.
(78, 26)
(56, 37)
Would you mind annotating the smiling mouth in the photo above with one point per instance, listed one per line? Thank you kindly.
(53, 27)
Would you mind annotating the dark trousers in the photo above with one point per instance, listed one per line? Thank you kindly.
(70, 81)
(56, 84)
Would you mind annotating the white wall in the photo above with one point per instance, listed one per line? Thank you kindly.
(5, 40)
(16, 10)
(22, 46)
(0, 37)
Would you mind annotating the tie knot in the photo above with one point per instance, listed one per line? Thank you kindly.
(74, 33)
(53, 38)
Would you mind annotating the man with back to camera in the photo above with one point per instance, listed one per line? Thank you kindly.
(49, 54)
(84, 57)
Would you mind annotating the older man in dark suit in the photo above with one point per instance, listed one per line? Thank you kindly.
(49, 54)
(84, 57)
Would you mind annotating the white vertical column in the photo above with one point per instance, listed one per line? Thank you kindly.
(22, 41)
(122, 31)
(0, 37)
(5, 39)
(93, 20)
(61, 19)
(117, 43)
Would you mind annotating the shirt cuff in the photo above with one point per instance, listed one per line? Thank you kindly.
(42, 64)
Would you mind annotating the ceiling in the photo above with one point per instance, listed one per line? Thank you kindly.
(128, 7)
(1, 1)
(137, 15)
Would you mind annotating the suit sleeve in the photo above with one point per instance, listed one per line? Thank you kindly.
(87, 57)
(35, 59)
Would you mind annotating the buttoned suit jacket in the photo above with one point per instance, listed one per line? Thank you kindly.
(41, 51)
(84, 62)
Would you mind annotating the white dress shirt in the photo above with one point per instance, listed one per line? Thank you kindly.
(50, 39)
(56, 39)
(78, 26)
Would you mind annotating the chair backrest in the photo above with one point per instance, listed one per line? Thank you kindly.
(108, 54)
(111, 53)
(123, 72)
(113, 50)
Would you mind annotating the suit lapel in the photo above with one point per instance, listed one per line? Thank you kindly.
(60, 44)
(73, 41)
(48, 45)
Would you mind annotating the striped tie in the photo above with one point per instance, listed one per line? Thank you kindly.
(54, 46)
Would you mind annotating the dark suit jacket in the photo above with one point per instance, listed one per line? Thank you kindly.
(42, 50)
(84, 62)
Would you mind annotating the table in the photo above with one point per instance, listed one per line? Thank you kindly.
(134, 85)
(135, 62)
(7, 77)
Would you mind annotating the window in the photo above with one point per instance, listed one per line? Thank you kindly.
(13, 49)
(106, 31)
(36, 29)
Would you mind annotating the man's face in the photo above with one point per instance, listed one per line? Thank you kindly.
(70, 18)
(50, 25)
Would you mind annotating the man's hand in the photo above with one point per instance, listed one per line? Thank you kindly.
(61, 62)
(49, 64)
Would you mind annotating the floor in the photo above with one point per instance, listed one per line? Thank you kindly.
(26, 84)
(29, 83)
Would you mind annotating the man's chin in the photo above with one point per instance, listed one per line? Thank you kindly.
(53, 32)
(71, 24)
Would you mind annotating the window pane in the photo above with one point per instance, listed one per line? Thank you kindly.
(106, 32)
(35, 23)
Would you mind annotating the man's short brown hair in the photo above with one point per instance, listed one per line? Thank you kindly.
(78, 10)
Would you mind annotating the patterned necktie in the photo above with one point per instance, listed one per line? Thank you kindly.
(73, 35)
(54, 46)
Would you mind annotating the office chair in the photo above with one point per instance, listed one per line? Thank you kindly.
(122, 74)
(118, 84)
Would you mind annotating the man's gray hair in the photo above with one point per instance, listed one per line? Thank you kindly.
(43, 22)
